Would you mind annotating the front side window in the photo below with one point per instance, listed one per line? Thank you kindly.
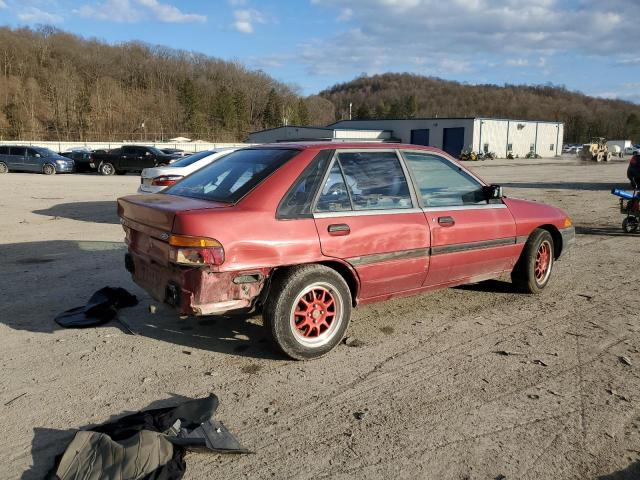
(365, 181)
(442, 183)
(233, 176)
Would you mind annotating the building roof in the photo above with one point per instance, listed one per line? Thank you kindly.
(442, 118)
(304, 145)
(327, 128)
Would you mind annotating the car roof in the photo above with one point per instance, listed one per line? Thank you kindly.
(346, 145)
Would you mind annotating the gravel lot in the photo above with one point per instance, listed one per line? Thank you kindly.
(432, 397)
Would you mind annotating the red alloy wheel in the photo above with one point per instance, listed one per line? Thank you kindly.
(543, 262)
(315, 312)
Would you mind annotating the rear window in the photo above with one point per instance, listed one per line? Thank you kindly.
(233, 176)
(186, 161)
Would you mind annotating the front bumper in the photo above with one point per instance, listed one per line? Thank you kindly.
(568, 239)
(64, 168)
(195, 291)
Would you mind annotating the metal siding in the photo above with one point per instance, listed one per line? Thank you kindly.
(547, 134)
(402, 128)
(494, 132)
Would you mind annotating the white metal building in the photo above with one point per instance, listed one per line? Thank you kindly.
(452, 135)
(479, 134)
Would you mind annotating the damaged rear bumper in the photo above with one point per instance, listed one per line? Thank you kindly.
(196, 291)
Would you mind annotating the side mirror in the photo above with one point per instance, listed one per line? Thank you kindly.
(492, 192)
(37, 155)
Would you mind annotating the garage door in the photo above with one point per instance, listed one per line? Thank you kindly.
(453, 141)
(420, 137)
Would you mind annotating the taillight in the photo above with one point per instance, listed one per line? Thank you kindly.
(165, 180)
(197, 251)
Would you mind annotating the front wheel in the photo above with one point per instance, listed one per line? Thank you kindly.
(532, 272)
(107, 168)
(3, 168)
(48, 169)
(308, 311)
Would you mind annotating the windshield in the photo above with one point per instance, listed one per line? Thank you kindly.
(233, 176)
(186, 161)
(155, 151)
(45, 152)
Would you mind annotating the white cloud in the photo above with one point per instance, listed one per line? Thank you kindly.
(345, 15)
(469, 34)
(36, 15)
(246, 18)
(136, 10)
(170, 14)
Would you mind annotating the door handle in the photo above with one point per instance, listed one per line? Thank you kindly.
(446, 221)
(339, 229)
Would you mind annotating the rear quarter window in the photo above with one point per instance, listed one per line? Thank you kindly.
(233, 176)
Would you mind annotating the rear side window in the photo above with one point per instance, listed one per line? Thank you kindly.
(297, 202)
(233, 176)
(4, 150)
(365, 181)
(20, 151)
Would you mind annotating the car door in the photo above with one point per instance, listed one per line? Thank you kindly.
(147, 158)
(16, 155)
(366, 214)
(471, 237)
(32, 161)
(130, 159)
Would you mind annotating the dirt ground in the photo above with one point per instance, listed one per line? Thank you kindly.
(425, 395)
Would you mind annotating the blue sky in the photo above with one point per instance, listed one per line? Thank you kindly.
(586, 45)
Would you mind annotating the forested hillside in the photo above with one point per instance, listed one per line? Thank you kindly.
(57, 86)
(395, 95)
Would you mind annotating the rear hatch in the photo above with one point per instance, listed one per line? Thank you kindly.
(149, 220)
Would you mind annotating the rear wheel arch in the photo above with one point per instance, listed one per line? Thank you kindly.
(344, 270)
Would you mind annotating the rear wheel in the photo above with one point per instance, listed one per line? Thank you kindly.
(308, 311)
(3, 168)
(106, 168)
(48, 169)
(532, 272)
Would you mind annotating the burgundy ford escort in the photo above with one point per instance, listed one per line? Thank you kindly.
(305, 232)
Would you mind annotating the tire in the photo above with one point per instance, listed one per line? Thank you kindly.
(48, 169)
(532, 272)
(317, 291)
(630, 225)
(3, 168)
(107, 168)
